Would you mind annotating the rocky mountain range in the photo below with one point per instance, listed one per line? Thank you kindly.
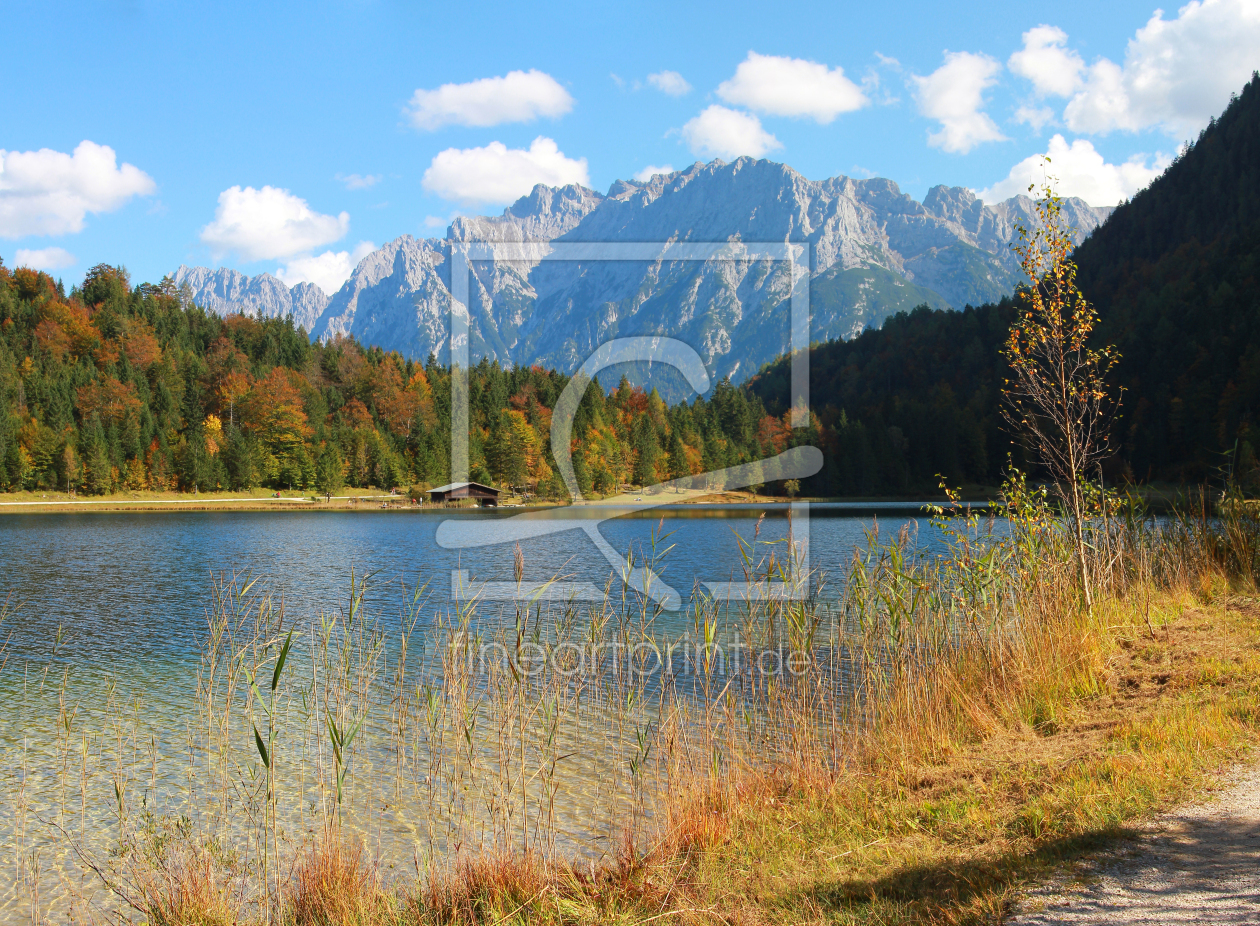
(225, 291)
(874, 251)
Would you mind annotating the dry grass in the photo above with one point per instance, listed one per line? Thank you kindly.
(952, 835)
(947, 834)
(335, 883)
(187, 891)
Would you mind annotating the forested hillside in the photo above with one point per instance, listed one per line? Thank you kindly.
(112, 387)
(1175, 276)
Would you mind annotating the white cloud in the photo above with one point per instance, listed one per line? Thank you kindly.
(359, 181)
(791, 87)
(1036, 116)
(728, 134)
(1053, 69)
(498, 174)
(1078, 170)
(48, 192)
(435, 221)
(652, 170)
(44, 259)
(1177, 73)
(670, 82)
(953, 95)
(269, 223)
(328, 270)
(520, 96)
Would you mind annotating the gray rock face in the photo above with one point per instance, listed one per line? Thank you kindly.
(224, 291)
(397, 298)
(875, 251)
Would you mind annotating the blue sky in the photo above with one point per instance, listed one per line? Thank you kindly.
(367, 120)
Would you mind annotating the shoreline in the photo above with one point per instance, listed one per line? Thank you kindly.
(372, 502)
(1158, 498)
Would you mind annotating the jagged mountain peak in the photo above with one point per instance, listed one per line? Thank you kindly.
(874, 250)
(224, 290)
(545, 213)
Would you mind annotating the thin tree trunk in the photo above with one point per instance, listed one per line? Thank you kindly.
(1079, 531)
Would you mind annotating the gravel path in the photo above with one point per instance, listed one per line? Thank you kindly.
(1200, 864)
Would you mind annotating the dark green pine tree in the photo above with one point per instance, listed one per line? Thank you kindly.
(678, 467)
(646, 451)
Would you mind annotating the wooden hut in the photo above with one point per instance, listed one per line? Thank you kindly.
(485, 496)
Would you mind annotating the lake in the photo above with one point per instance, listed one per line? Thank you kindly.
(106, 627)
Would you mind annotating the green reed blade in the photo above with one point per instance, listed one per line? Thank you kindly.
(262, 748)
(284, 654)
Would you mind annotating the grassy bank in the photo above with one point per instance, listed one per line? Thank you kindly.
(959, 727)
(927, 826)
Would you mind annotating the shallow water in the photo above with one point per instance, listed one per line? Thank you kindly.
(100, 731)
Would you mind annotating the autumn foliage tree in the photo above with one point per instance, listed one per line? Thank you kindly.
(273, 411)
(1057, 395)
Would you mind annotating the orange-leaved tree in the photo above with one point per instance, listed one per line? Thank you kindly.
(1057, 396)
(227, 375)
(273, 411)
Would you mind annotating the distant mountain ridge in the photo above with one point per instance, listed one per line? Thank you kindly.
(874, 251)
(224, 291)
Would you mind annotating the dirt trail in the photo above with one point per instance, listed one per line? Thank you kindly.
(1200, 864)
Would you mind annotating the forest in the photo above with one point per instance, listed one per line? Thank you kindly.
(1175, 277)
(113, 387)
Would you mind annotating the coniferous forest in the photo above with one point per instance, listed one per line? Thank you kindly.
(1175, 277)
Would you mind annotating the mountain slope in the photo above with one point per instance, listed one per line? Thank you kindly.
(1175, 276)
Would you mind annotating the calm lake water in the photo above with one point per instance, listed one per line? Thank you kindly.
(108, 617)
(128, 588)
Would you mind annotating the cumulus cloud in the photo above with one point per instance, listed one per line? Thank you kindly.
(328, 270)
(498, 174)
(1176, 74)
(359, 181)
(1036, 116)
(518, 96)
(44, 259)
(791, 87)
(953, 95)
(670, 82)
(652, 170)
(728, 134)
(1078, 170)
(1045, 61)
(48, 192)
(269, 223)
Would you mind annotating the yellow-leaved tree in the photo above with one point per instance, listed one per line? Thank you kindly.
(1057, 396)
